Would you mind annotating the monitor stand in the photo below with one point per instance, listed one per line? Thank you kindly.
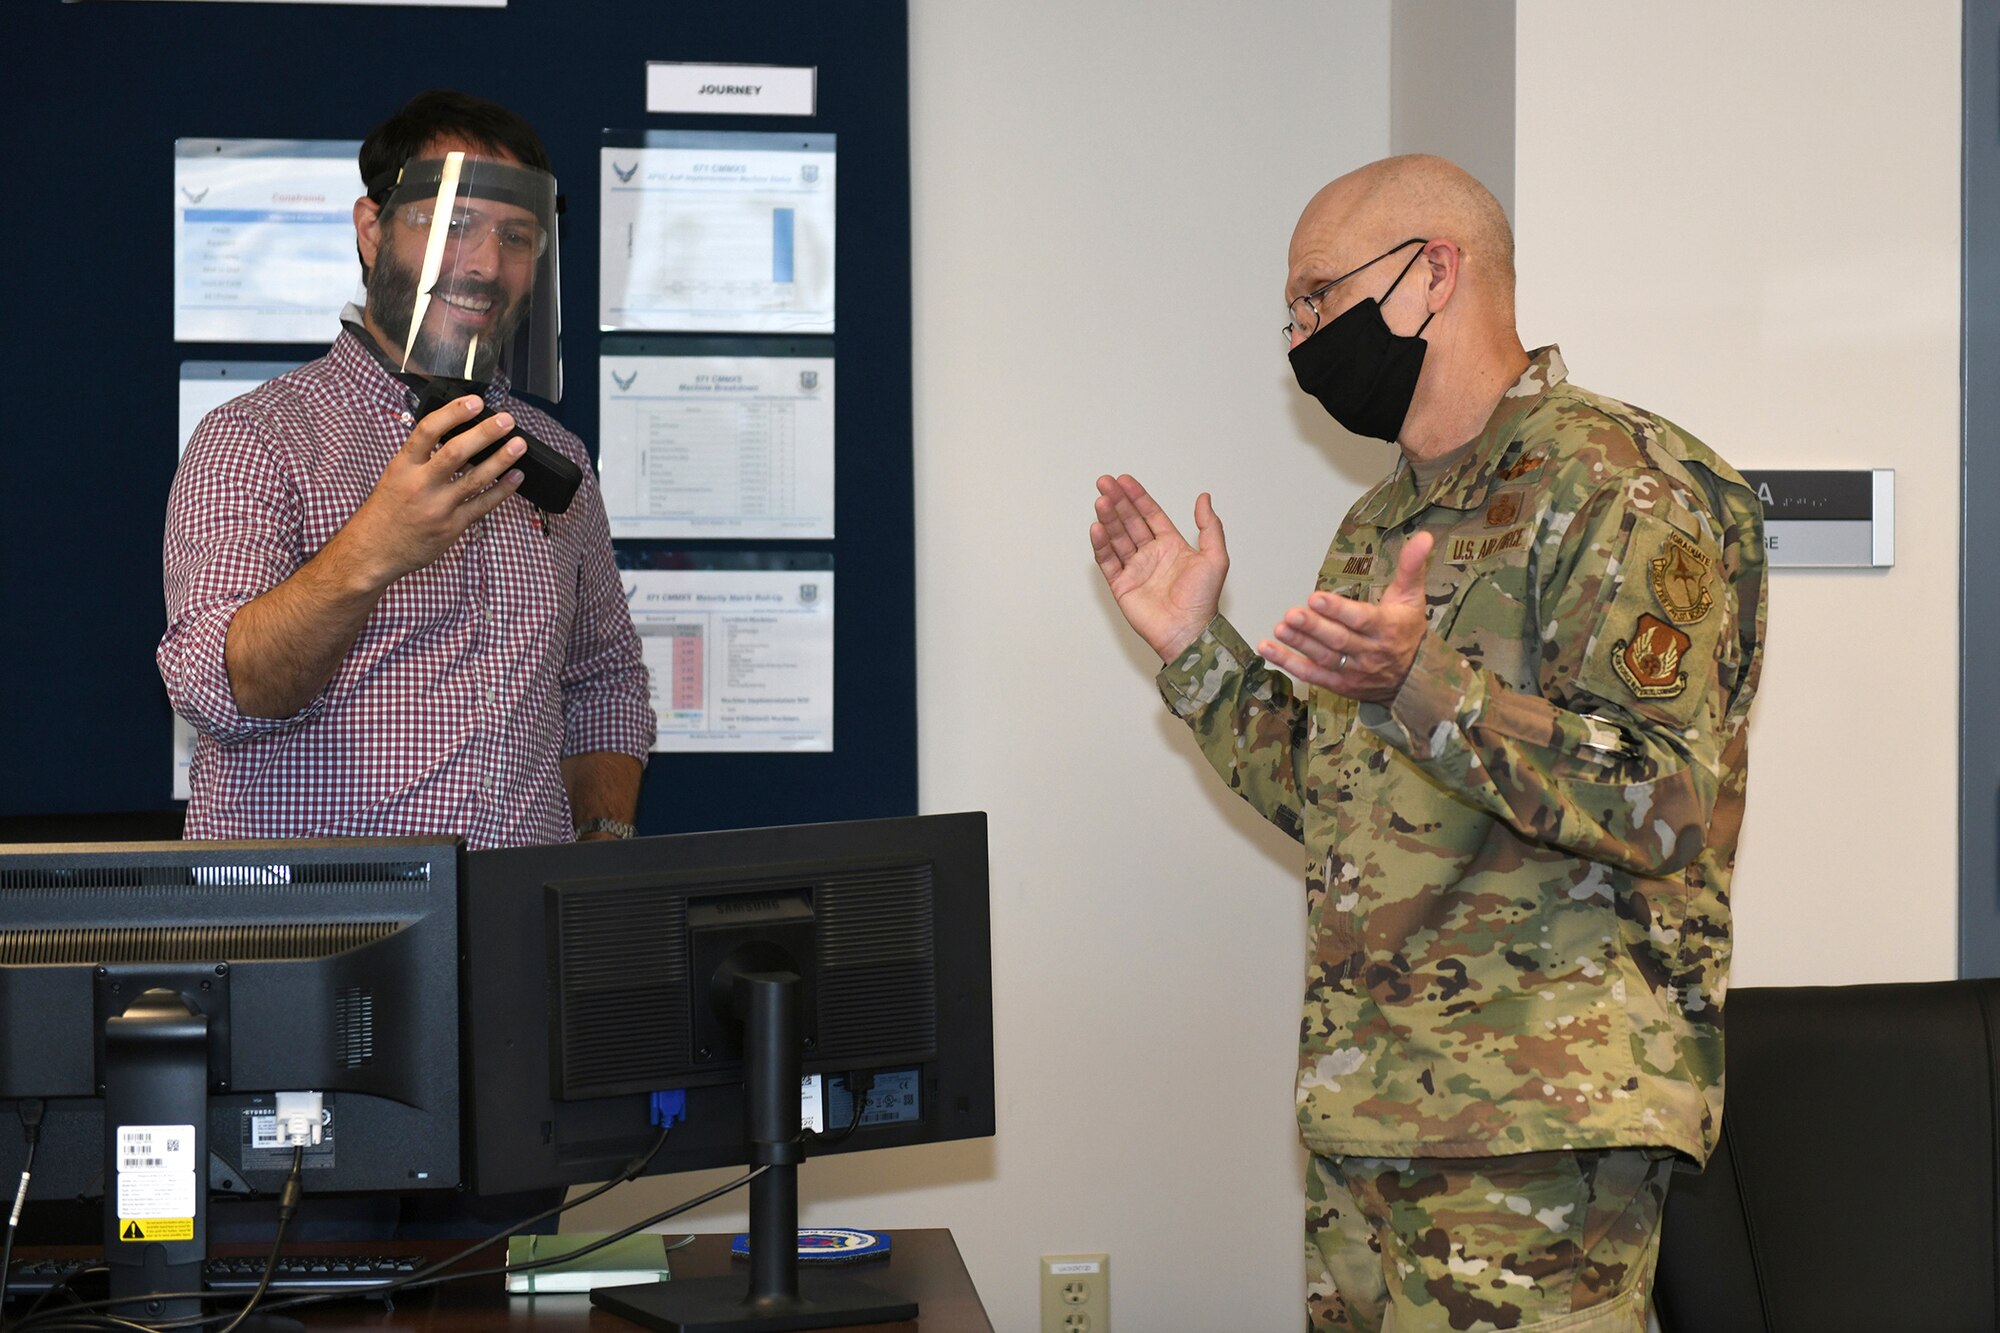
(779, 1298)
(156, 1074)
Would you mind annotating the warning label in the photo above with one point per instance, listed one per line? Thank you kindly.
(156, 1228)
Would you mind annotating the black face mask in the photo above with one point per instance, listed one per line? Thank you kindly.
(1362, 374)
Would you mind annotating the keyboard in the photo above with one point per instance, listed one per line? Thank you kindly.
(32, 1277)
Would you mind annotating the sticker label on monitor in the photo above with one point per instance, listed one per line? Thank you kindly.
(155, 1228)
(895, 1099)
(156, 1175)
(812, 1105)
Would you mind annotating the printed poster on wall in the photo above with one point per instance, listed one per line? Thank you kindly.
(727, 232)
(264, 239)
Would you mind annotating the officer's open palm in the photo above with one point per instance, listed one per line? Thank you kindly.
(1360, 649)
(1167, 589)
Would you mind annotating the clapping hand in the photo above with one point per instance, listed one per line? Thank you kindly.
(1360, 649)
(1167, 589)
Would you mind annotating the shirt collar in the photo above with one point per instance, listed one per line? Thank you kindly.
(363, 363)
(359, 367)
(1465, 483)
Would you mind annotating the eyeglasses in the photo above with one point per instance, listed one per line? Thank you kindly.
(519, 240)
(1305, 309)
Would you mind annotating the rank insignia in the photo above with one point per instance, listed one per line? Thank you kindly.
(1504, 509)
(1680, 581)
(1650, 661)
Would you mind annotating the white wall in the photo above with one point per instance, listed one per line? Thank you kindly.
(1451, 76)
(1747, 217)
(1103, 195)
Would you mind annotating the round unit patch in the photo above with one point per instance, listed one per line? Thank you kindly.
(827, 1245)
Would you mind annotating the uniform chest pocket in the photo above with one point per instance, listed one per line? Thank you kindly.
(1488, 622)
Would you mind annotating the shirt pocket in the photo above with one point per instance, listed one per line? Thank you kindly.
(1488, 625)
(1480, 603)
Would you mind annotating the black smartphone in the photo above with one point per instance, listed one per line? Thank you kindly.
(548, 479)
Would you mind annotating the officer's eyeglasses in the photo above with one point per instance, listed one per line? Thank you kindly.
(1305, 309)
(518, 239)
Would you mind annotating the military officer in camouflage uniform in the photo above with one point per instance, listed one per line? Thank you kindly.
(1508, 728)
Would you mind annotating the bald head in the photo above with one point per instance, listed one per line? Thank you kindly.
(1384, 203)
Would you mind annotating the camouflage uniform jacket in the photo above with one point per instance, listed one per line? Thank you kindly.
(1517, 876)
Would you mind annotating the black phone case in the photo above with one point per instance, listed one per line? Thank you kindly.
(548, 479)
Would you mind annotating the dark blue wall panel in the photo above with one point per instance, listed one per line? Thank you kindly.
(96, 94)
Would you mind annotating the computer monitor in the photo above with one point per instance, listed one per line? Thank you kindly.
(600, 973)
(155, 997)
(587, 968)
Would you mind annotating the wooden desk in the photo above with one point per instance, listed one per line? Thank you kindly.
(923, 1266)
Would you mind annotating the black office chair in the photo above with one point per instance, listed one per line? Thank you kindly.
(1857, 1183)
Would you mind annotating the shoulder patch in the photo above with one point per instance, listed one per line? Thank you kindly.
(1649, 662)
(1680, 576)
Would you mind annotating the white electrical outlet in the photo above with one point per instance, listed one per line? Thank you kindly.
(1076, 1293)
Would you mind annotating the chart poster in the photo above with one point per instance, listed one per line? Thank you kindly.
(263, 239)
(716, 446)
(728, 232)
(741, 659)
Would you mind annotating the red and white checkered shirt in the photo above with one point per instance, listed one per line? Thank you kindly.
(470, 681)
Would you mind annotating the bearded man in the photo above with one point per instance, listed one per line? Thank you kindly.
(372, 632)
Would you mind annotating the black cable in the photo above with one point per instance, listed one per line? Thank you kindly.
(46, 1323)
(61, 1287)
(288, 1203)
(13, 1224)
(858, 1088)
(95, 1322)
(31, 1109)
(307, 1296)
(429, 1276)
(632, 1170)
(415, 1281)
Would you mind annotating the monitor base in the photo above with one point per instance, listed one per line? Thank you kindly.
(722, 1305)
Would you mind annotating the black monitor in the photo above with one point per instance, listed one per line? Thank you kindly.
(598, 974)
(156, 997)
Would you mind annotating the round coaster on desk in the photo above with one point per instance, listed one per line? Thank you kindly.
(828, 1245)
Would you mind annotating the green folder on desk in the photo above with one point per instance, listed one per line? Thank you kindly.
(624, 1263)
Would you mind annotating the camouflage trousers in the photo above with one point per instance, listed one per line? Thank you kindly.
(1548, 1242)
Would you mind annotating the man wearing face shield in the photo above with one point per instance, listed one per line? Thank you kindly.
(371, 626)
(1507, 727)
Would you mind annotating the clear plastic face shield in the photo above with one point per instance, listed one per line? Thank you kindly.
(465, 276)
